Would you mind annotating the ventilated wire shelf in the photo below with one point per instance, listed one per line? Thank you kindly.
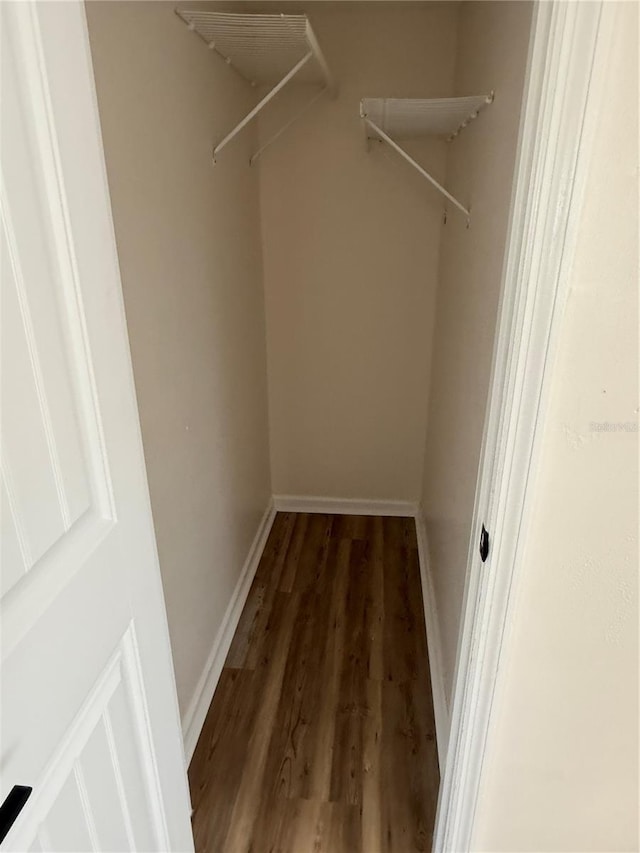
(261, 48)
(409, 118)
(389, 119)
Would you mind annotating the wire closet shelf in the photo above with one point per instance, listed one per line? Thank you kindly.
(263, 50)
(389, 119)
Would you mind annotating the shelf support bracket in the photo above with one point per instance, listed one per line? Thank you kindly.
(386, 138)
(268, 97)
(291, 121)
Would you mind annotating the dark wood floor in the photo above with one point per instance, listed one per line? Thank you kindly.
(321, 735)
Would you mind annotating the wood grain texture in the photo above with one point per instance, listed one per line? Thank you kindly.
(321, 735)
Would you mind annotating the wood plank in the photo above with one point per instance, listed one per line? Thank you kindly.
(218, 763)
(333, 654)
(313, 555)
(272, 668)
(251, 638)
(311, 826)
(408, 761)
(346, 769)
(243, 650)
(373, 789)
(297, 544)
(374, 605)
(292, 745)
(402, 620)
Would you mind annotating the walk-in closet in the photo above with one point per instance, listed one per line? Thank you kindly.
(319, 417)
(311, 203)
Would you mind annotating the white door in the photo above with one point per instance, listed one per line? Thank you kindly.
(89, 715)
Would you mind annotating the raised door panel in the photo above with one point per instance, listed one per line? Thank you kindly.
(57, 500)
(100, 789)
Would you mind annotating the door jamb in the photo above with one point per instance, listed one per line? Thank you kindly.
(570, 44)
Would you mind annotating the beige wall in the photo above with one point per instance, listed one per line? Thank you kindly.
(351, 243)
(562, 765)
(492, 52)
(189, 246)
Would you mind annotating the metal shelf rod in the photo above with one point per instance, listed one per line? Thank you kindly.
(291, 121)
(416, 165)
(262, 103)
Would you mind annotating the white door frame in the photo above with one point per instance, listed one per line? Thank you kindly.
(566, 64)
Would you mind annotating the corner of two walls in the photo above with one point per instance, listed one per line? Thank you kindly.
(492, 53)
(350, 243)
(191, 264)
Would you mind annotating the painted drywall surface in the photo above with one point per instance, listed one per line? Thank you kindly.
(351, 242)
(562, 760)
(190, 255)
(492, 52)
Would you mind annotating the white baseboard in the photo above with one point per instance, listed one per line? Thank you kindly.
(343, 506)
(196, 713)
(440, 707)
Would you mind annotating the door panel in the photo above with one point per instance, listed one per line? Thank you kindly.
(99, 791)
(58, 504)
(89, 711)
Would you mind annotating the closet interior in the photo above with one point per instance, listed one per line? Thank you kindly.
(311, 325)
